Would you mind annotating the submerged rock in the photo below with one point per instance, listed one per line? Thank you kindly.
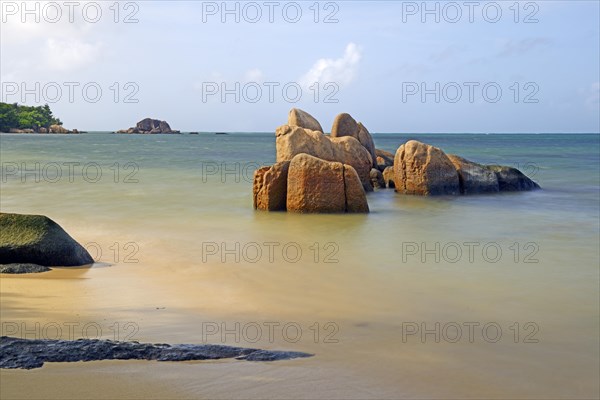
(37, 239)
(22, 268)
(28, 354)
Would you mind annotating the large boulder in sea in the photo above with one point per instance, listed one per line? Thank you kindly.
(345, 125)
(301, 118)
(37, 239)
(318, 186)
(511, 179)
(422, 169)
(426, 170)
(294, 140)
(474, 178)
(270, 187)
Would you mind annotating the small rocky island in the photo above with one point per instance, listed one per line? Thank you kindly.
(318, 173)
(150, 126)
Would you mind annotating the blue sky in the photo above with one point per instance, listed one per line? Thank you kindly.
(374, 62)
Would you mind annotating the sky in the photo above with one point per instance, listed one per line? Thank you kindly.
(396, 66)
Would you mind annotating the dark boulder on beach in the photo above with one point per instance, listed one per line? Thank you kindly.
(33, 353)
(37, 239)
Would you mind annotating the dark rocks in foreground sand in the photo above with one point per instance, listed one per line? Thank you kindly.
(36, 239)
(28, 354)
(22, 268)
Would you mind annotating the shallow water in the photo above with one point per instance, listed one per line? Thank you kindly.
(181, 252)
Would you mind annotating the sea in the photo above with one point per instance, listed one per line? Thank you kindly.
(485, 296)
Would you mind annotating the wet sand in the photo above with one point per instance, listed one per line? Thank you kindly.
(152, 303)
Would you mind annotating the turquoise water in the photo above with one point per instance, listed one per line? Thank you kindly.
(374, 275)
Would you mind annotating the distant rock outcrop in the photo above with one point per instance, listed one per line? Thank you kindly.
(149, 126)
(41, 129)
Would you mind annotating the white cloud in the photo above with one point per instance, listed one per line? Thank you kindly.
(341, 71)
(70, 54)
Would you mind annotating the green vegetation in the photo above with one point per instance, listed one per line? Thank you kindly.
(25, 117)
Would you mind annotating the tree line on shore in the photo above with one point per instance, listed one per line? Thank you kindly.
(15, 116)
